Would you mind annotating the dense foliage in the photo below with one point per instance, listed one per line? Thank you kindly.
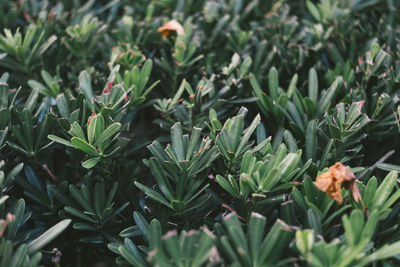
(190, 133)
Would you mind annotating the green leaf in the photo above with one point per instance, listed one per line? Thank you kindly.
(385, 189)
(216, 124)
(46, 44)
(304, 241)
(161, 178)
(158, 151)
(3, 199)
(91, 129)
(98, 198)
(37, 85)
(84, 146)
(18, 211)
(19, 256)
(79, 214)
(384, 252)
(311, 141)
(370, 192)
(83, 227)
(86, 88)
(108, 133)
(82, 196)
(153, 194)
(31, 101)
(235, 132)
(100, 124)
(255, 234)
(60, 140)
(237, 236)
(228, 249)
(244, 67)
(393, 198)
(309, 106)
(292, 85)
(145, 74)
(131, 231)
(27, 126)
(130, 257)
(29, 36)
(227, 186)
(287, 166)
(290, 141)
(47, 236)
(314, 221)
(90, 163)
(295, 116)
(155, 234)
(313, 85)
(369, 227)
(15, 171)
(273, 83)
(171, 244)
(177, 141)
(204, 247)
(247, 134)
(141, 223)
(76, 131)
(327, 97)
(388, 167)
(374, 49)
(194, 140)
(313, 10)
(322, 163)
(277, 240)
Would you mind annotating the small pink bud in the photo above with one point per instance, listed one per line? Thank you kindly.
(10, 217)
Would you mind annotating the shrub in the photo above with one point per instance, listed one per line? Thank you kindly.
(235, 133)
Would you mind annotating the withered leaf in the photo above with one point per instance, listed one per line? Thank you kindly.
(169, 27)
(331, 181)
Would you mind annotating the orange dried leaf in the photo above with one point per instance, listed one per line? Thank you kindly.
(171, 26)
(355, 193)
(342, 173)
(324, 181)
(330, 182)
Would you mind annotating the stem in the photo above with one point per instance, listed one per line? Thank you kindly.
(381, 160)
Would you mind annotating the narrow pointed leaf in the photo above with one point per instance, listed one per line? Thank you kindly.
(48, 236)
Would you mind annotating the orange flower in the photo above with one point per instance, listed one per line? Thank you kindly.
(169, 27)
(330, 182)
